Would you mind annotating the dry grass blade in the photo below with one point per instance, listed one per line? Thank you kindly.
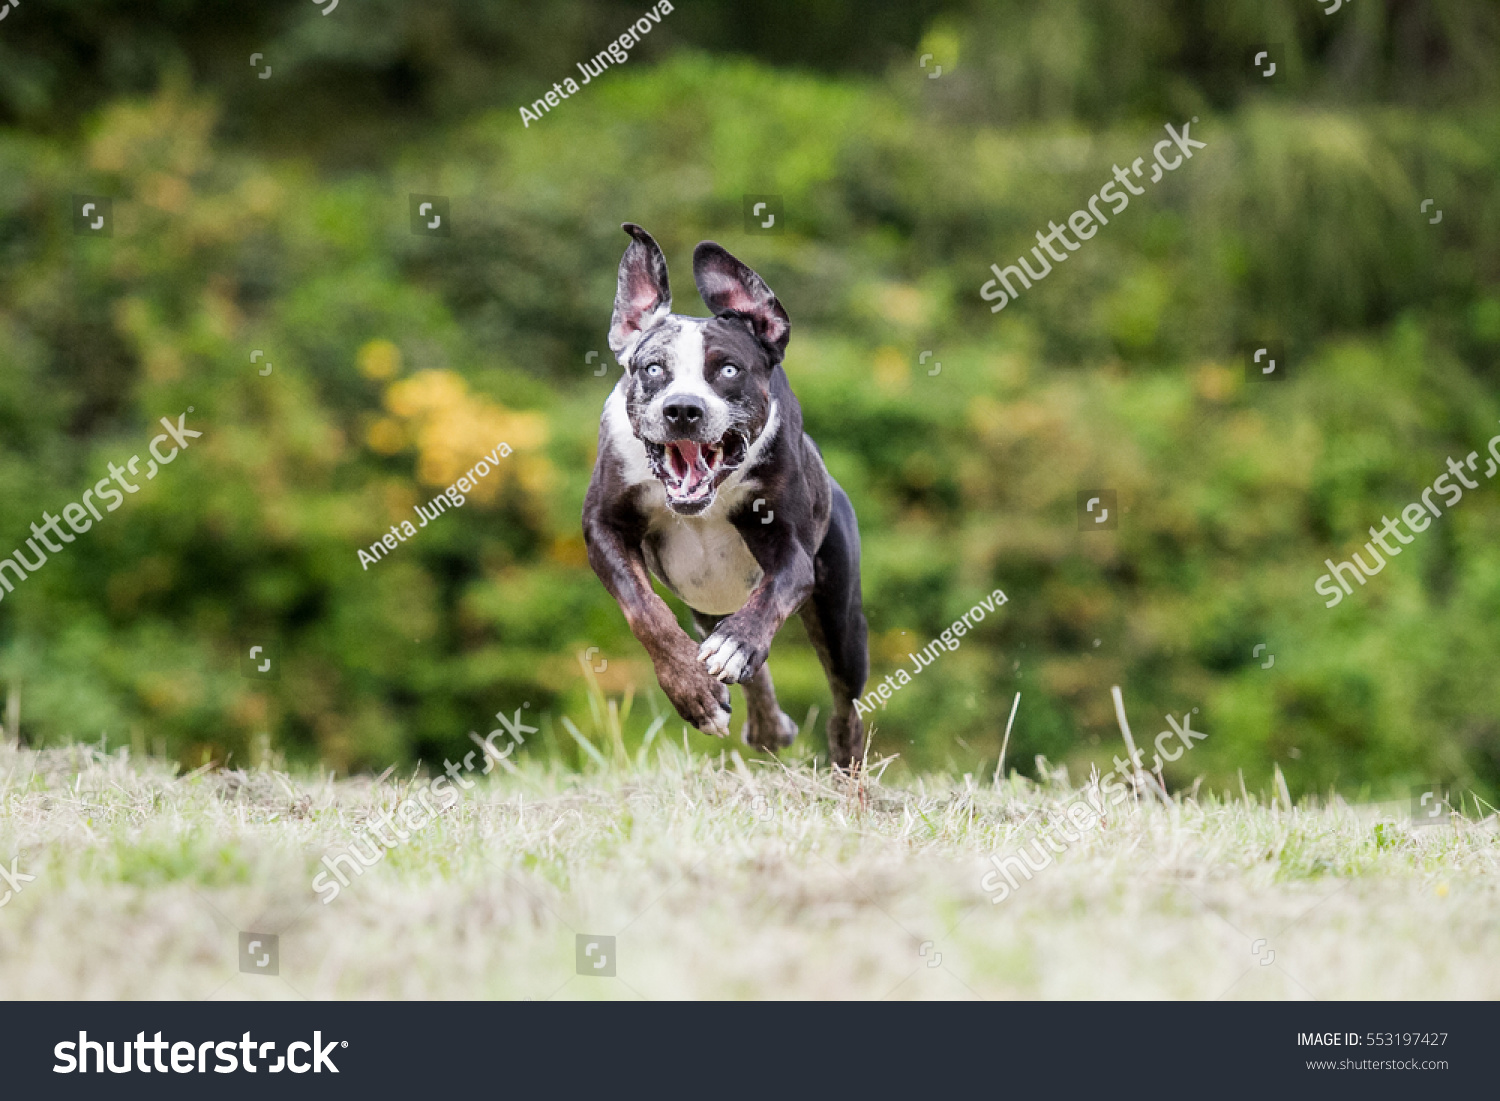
(1000, 764)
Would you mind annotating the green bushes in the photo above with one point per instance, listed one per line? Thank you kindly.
(1299, 223)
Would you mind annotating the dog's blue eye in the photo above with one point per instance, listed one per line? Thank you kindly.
(729, 370)
(653, 370)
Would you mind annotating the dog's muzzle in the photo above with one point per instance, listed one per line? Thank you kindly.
(692, 471)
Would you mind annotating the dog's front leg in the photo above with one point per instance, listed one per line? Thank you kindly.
(618, 561)
(741, 642)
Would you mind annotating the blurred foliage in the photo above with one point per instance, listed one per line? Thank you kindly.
(273, 215)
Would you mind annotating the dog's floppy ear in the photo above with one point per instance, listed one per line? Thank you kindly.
(643, 295)
(729, 287)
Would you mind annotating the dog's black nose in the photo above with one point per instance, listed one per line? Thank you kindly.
(683, 412)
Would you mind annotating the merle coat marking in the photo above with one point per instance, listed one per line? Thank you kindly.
(701, 427)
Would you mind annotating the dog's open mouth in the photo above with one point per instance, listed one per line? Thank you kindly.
(692, 471)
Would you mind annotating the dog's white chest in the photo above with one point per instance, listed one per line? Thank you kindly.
(704, 561)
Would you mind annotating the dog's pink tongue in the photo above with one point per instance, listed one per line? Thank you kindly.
(692, 458)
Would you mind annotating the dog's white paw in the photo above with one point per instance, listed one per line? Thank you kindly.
(726, 658)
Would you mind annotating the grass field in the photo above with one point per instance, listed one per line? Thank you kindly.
(723, 878)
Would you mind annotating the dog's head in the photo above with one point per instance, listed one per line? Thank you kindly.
(698, 389)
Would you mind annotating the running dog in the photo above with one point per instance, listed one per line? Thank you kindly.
(706, 480)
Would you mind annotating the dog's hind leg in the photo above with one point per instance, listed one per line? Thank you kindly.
(766, 727)
(835, 621)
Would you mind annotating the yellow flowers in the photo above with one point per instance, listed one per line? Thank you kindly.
(379, 359)
(452, 428)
